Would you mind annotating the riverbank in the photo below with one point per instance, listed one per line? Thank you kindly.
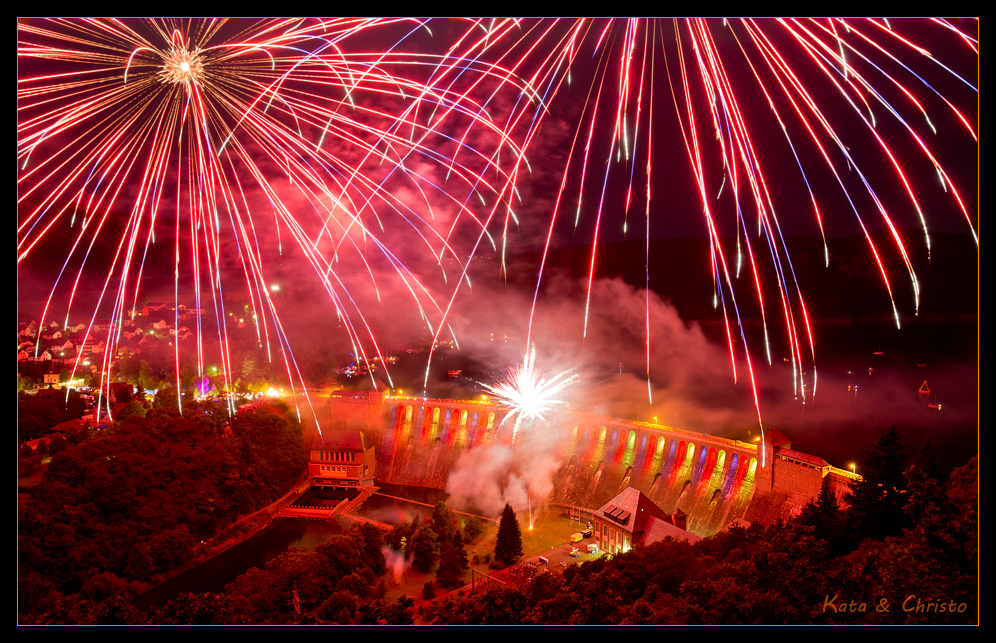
(234, 535)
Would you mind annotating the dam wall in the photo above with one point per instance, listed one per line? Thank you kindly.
(585, 460)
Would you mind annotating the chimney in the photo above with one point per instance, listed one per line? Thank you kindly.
(680, 519)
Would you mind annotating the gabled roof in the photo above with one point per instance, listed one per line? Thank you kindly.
(776, 438)
(657, 530)
(68, 425)
(631, 510)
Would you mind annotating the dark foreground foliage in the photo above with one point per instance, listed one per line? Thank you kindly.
(884, 560)
(117, 511)
(833, 564)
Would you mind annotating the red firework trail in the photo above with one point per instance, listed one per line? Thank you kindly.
(128, 129)
(854, 101)
(215, 133)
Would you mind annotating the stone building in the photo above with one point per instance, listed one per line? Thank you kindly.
(342, 459)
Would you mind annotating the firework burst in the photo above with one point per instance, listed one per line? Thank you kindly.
(528, 394)
(238, 141)
(337, 138)
(855, 110)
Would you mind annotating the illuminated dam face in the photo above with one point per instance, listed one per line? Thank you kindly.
(589, 460)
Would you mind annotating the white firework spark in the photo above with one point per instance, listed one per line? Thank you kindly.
(529, 394)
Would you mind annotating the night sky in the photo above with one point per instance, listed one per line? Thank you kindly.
(417, 176)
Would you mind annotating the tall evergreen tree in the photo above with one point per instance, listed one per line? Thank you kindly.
(508, 547)
(441, 520)
(825, 516)
(878, 499)
(461, 552)
(822, 510)
(450, 571)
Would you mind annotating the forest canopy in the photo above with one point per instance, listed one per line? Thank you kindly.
(119, 510)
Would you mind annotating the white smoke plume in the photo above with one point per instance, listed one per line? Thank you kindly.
(487, 477)
(397, 562)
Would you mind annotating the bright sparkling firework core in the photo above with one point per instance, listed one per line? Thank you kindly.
(528, 394)
(182, 66)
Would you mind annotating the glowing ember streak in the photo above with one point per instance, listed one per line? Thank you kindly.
(228, 137)
(528, 394)
(208, 130)
(728, 85)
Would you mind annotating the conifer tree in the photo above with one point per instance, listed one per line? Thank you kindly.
(441, 520)
(821, 510)
(451, 561)
(461, 552)
(878, 499)
(508, 547)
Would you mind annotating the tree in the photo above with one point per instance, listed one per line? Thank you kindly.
(878, 499)
(25, 383)
(472, 528)
(925, 485)
(508, 547)
(339, 608)
(424, 548)
(461, 552)
(452, 560)
(379, 612)
(137, 499)
(371, 543)
(441, 520)
(196, 609)
(249, 367)
(57, 444)
(824, 516)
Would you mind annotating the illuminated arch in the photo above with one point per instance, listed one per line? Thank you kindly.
(720, 461)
